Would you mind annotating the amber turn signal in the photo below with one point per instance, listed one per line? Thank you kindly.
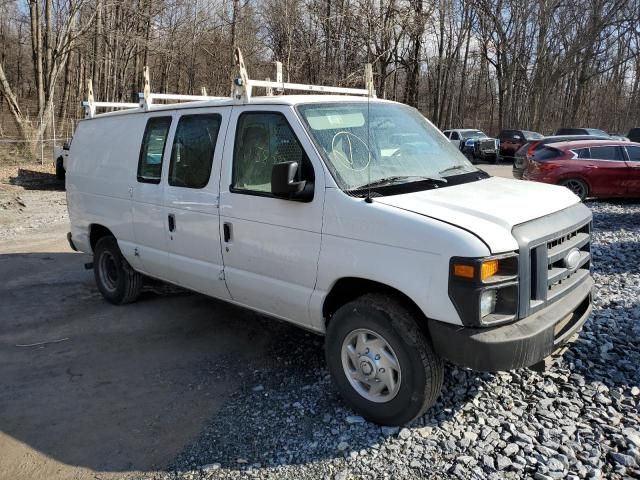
(463, 271)
(488, 269)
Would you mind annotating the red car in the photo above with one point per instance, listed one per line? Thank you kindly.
(589, 168)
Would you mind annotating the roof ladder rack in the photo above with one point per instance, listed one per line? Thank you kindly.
(147, 98)
(243, 85)
(90, 105)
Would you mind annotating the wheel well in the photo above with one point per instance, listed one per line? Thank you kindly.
(96, 232)
(350, 288)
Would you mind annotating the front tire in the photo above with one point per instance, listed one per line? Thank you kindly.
(577, 186)
(117, 281)
(383, 365)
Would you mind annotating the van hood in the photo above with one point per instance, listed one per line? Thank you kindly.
(488, 208)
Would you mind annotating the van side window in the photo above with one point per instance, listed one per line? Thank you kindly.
(152, 150)
(192, 151)
(262, 140)
(455, 136)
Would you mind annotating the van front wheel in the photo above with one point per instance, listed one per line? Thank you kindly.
(382, 363)
(117, 281)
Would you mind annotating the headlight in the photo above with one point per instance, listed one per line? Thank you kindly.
(485, 290)
(487, 302)
(469, 143)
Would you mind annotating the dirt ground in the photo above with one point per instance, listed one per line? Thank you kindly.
(94, 391)
(90, 390)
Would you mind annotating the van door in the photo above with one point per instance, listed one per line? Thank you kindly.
(270, 245)
(191, 198)
(148, 210)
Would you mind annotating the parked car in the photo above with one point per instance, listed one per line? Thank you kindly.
(474, 144)
(351, 217)
(60, 156)
(528, 149)
(634, 135)
(589, 168)
(582, 131)
(512, 140)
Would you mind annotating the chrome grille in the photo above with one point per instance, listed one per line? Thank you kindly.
(544, 245)
(488, 145)
(556, 278)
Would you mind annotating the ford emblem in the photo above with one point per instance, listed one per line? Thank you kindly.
(572, 259)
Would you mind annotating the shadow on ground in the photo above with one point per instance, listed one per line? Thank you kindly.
(34, 180)
(150, 385)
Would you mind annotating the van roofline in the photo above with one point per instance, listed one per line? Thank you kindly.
(286, 100)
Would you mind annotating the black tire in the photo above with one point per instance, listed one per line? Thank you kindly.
(422, 370)
(577, 186)
(117, 281)
(60, 172)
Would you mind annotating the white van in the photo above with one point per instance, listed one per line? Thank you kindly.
(352, 217)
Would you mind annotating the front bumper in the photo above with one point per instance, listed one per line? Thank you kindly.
(520, 344)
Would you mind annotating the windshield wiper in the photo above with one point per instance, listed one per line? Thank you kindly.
(400, 179)
(451, 169)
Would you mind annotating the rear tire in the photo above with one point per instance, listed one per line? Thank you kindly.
(383, 365)
(577, 186)
(117, 281)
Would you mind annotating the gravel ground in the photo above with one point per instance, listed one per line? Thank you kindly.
(30, 199)
(579, 419)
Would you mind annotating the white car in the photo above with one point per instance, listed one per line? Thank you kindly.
(348, 216)
(474, 144)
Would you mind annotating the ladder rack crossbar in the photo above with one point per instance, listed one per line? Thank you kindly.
(111, 104)
(308, 88)
(173, 96)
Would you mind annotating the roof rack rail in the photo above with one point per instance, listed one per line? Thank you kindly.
(243, 85)
(242, 90)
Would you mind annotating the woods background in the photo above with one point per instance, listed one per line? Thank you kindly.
(490, 64)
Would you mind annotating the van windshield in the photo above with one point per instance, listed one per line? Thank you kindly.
(367, 145)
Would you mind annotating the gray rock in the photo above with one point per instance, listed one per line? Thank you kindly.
(342, 475)
(488, 462)
(342, 446)
(622, 459)
(511, 449)
(404, 434)
(353, 419)
(390, 430)
(503, 462)
(555, 465)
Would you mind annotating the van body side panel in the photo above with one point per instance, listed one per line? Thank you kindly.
(195, 255)
(401, 249)
(101, 170)
(271, 256)
(150, 217)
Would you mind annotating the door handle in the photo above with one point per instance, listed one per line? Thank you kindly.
(172, 222)
(227, 231)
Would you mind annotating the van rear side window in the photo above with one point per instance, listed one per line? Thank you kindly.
(192, 152)
(152, 150)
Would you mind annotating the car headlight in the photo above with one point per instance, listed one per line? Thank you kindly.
(469, 143)
(487, 302)
(485, 290)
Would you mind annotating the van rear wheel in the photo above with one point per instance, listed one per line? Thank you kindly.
(117, 281)
(383, 365)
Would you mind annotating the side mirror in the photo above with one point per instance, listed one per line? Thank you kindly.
(66, 146)
(284, 184)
